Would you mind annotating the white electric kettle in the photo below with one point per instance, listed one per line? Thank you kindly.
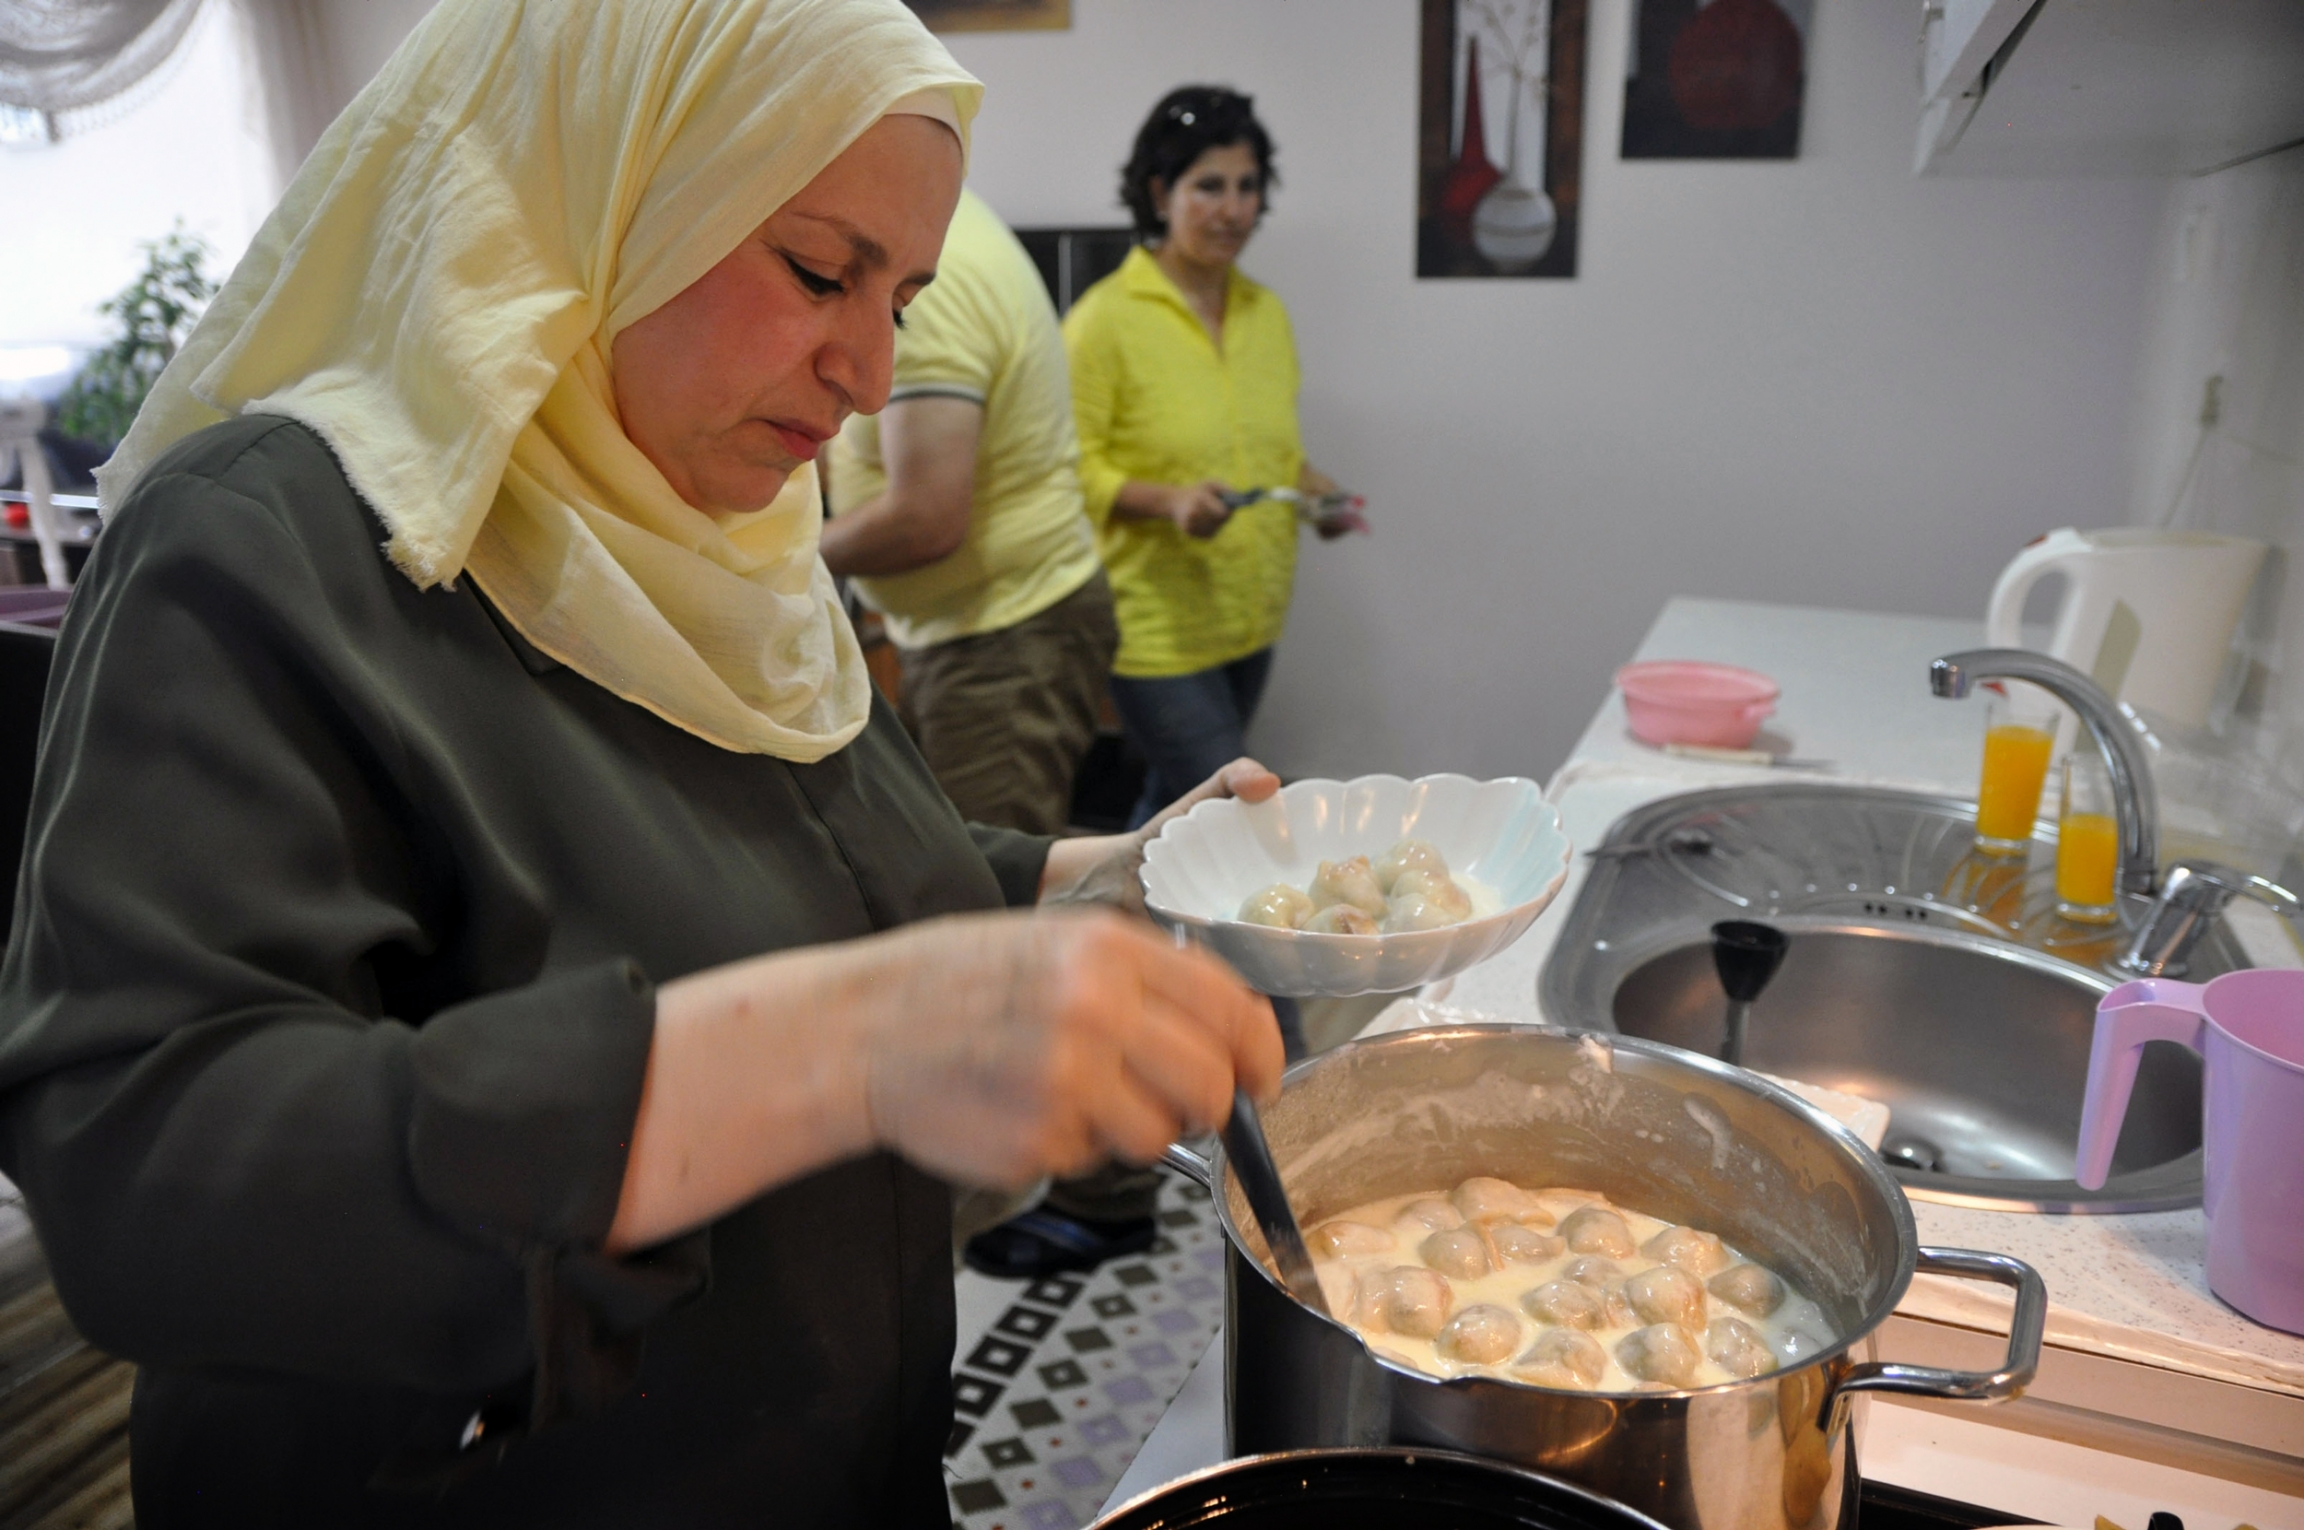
(2149, 614)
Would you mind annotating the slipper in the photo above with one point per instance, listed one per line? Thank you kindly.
(1045, 1242)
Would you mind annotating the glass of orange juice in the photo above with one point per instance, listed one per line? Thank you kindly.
(2018, 737)
(2087, 842)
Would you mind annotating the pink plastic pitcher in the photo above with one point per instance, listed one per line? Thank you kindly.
(2249, 1029)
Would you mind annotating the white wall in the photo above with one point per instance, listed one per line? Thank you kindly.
(2227, 300)
(192, 147)
(1822, 381)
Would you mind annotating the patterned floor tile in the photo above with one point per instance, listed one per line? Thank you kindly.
(1055, 1399)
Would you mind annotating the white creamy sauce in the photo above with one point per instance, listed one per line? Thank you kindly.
(1488, 1296)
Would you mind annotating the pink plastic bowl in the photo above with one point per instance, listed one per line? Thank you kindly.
(1682, 701)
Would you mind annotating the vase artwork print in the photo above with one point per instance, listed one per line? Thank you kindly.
(993, 15)
(1716, 79)
(1500, 141)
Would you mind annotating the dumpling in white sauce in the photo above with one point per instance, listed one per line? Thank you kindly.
(1564, 1304)
(1737, 1348)
(1748, 1288)
(1348, 881)
(1334, 1240)
(1563, 1358)
(1480, 1335)
(1594, 1230)
(1516, 1244)
(1406, 1299)
(1341, 919)
(1699, 1253)
(1457, 1252)
(1598, 1274)
(1666, 1294)
(1662, 1353)
(1408, 855)
(1340, 1288)
(1280, 906)
(1482, 1199)
(1430, 1213)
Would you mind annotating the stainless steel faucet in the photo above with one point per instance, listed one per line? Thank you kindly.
(2134, 806)
(2192, 897)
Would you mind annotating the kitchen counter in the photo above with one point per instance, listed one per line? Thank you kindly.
(2153, 1394)
(1856, 693)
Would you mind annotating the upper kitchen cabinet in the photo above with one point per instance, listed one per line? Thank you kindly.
(2107, 87)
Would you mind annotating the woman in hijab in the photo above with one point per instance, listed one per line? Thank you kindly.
(457, 1035)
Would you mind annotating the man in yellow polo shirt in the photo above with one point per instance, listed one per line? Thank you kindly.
(957, 512)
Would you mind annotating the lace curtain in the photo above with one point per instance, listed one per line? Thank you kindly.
(63, 55)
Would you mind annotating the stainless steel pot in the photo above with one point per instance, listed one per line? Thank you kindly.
(1663, 1131)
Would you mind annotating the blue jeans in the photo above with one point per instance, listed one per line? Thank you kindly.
(1189, 727)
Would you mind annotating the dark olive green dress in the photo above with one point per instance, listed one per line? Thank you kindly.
(323, 1024)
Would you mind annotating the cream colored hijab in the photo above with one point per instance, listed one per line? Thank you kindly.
(437, 292)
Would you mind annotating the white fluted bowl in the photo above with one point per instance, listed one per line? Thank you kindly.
(1502, 834)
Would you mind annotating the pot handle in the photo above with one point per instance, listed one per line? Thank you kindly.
(1191, 1165)
(2024, 1330)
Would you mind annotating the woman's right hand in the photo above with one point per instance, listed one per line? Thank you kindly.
(988, 1049)
(1026, 1045)
(1198, 509)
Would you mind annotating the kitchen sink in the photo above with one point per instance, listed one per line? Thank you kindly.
(1920, 974)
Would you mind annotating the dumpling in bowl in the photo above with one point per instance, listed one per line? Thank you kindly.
(1340, 919)
(1348, 881)
(1410, 913)
(1408, 855)
(1447, 899)
(1280, 906)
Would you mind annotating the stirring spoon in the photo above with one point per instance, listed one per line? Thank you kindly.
(1251, 1159)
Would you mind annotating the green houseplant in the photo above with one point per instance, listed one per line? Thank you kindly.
(155, 312)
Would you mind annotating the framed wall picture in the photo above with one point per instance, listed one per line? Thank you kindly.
(993, 15)
(1500, 145)
(1716, 79)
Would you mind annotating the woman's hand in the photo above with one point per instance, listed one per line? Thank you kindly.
(1198, 509)
(990, 1049)
(1341, 521)
(1044, 1045)
(1102, 868)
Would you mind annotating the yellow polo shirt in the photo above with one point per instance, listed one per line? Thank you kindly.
(983, 330)
(1155, 399)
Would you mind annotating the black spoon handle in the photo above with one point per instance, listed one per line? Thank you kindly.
(1260, 1180)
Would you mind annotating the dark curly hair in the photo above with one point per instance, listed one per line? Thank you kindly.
(1189, 121)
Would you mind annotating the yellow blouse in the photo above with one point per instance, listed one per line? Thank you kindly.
(1155, 399)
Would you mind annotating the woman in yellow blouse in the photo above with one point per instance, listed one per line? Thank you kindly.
(1184, 390)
